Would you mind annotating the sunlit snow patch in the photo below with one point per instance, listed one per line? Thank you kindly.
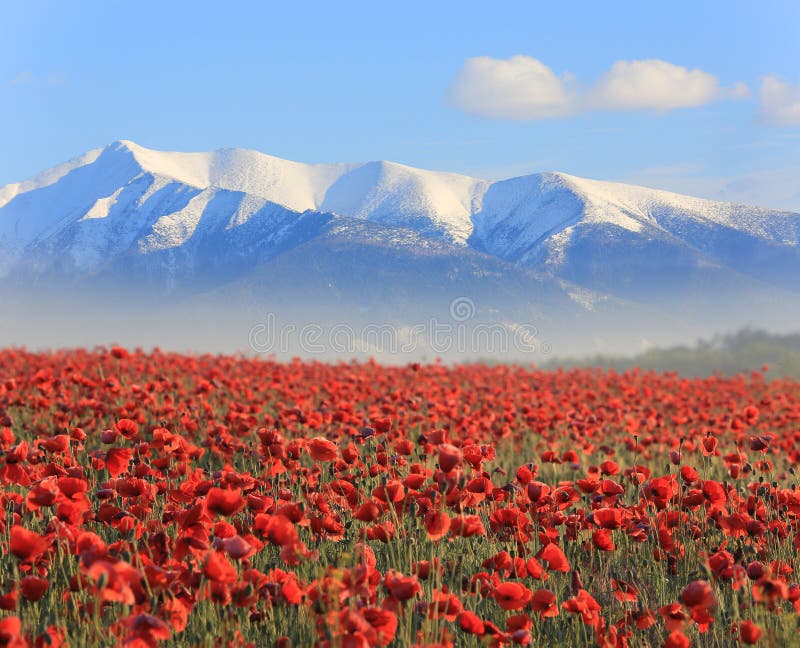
(102, 206)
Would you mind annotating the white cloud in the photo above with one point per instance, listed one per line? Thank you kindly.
(779, 101)
(518, 88)
(524, 88)
(655, 85)
(23, 77)
(26, 77)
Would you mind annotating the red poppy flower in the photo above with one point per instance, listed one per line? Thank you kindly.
(674, 615)
(369, 511)
(127, 428)
(749, 632)
(218, 569)
(609, 468)
(535, 569)
(554, 557)
(644, 619)
(384, 622)
(27, 545)
(769, 590)
(608, 518)
(278, 529)
(321, 449)
(19, 453)
(120, 353)
(662, 490)
(449, 457)
(512, 596)
(224, 502)
(42, 494)
(117, 460)
(382, 425)
(109, 436)
(710, 445)
(444, 605)
(471, 623)
(391, 492)
(176, 613)
(237, 547)
(383, 532)
(466, 526)
(114, 582)
(585, 605)
(401, 587)
(57, 444)
(33, 588)
(544, 602)
(437, 524)
(10, 632)
(751, 414)
(422, 569)
(602, 540)
(755, 570)
(698, 594)
(9, 601)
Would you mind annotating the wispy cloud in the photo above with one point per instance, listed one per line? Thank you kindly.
(523, 88)
(23, 77)
(26, 77)
(779, 101)
(775, 188)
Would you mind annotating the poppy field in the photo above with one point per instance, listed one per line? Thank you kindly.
(156, 499)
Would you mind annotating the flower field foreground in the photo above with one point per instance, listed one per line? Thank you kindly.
(164, 500)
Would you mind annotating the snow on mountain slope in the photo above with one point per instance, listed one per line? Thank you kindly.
(47, 177)
(633, 207)
(519, 213)
(751, 241)
(294, 185)
(394, 194)
(44, 206)
(439, 204)
(398, 195)
(631, 240)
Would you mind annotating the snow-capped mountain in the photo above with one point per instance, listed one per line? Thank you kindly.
(380, 235)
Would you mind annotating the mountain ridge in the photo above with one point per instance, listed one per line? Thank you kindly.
(300, 186)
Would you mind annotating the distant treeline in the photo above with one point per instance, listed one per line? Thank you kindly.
(729, 354)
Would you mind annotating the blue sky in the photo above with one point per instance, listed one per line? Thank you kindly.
(321, 82)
